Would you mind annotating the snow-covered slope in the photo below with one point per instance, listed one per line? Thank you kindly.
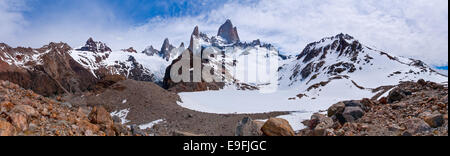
(21, 57)
(101, 61)
(343, 57)
(328, 71)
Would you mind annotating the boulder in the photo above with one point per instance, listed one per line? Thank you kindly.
(383, 100)
(277, 127)
(26, 109)
(121, 130)
(435, 120)
(336, 109)
(248, 127)
(396, 95)
(352, 114)
(6, 129)
(415, 126)
(136, 131)
(99, 115)
(6, 106)
(320, 124)
(422, 82)
(19, 120)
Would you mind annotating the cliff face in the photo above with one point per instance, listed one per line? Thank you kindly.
(229, 33)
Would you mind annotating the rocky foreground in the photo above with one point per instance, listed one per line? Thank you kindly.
(25, 113)
(410, 109)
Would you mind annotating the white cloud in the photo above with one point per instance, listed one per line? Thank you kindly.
(11, 20)
(412, 28)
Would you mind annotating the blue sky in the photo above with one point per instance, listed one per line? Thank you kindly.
(131, 11)
(411, 28)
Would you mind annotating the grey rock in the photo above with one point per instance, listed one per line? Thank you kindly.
(352, 114)
(248, 127)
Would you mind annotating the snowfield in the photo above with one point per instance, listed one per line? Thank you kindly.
(232, 101)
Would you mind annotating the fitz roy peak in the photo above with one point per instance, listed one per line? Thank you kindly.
(228, 32)
(228, 68)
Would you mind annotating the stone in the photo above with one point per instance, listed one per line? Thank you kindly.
(19, 120)
(83, 112)
(99, 115)
(6, 129)
(415, 126)
(422, 82)
(435, 120)
(277, 127)
(6, 106)
(27, 110)
(399, 105)
(85, 125)
(136, 131)
(319, 124)
(396, 95)
(336, 108)
(248, 127)
(120, 129)
(352, 114)
(116, 119)
(383, 100)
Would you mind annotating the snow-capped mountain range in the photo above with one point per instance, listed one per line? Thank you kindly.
(141, 66)
(327, 71)
(344, 57)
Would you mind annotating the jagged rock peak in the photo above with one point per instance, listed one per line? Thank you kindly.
(94, 46)
(150, 51)
(196, 32)
(166, 47)
(57, 46)
(228, 32)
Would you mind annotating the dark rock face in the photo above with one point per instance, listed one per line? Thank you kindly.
(166, 49)
(93, 46)
(228, 32)
(150, 51)
(55, 72)
(165, 52)
(138, 73)
(189, 86)
(248, 127)
(313, 57)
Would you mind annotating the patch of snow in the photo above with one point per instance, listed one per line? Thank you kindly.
(151, 124)
(386, 94)
(122, 114)
(124, 101)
